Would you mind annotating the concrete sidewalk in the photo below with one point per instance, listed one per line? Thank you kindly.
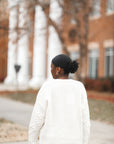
(101, 133)
(15, 111)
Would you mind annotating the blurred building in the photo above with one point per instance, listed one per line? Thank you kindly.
(33, 51)
(100, 40)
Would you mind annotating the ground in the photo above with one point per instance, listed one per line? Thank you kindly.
(11, 132)
(100, 110)
(108, 96)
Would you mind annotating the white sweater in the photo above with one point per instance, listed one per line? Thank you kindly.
(60, 114)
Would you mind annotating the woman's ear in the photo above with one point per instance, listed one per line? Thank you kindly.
(58, 69)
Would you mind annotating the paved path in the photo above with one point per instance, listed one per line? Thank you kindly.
(17, 112)
(101, 133)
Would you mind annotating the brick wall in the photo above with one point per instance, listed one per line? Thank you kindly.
(100, 30)
(3, 38)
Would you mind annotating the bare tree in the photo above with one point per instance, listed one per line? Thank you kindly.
(77, 13)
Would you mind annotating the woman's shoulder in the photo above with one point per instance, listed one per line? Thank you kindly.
(47, 83)
(50, 82)
(77, 82)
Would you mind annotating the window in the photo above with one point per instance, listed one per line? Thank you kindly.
(110, 6)
(74, 55)
(108, 62)
(93, 63)
(95, 8)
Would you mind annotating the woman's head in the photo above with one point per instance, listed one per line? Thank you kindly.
(62, 65)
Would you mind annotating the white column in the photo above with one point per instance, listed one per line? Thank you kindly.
(54, 43)
(13, 19)
(39, 52)
(23, 44)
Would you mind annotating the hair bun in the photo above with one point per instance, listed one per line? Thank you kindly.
(73, 66)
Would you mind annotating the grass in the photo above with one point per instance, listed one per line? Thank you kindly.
(23, 97)
(99, 109)
(2, 120)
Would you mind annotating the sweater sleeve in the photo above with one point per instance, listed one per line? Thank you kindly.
(38, 116)
(85, 116)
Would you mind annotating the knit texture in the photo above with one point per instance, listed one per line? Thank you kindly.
(60, 114)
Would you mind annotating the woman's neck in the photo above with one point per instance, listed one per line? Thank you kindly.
(63, 77)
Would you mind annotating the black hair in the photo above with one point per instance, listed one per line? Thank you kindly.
(65, 62)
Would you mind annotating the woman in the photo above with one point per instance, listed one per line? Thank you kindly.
(61, 113)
